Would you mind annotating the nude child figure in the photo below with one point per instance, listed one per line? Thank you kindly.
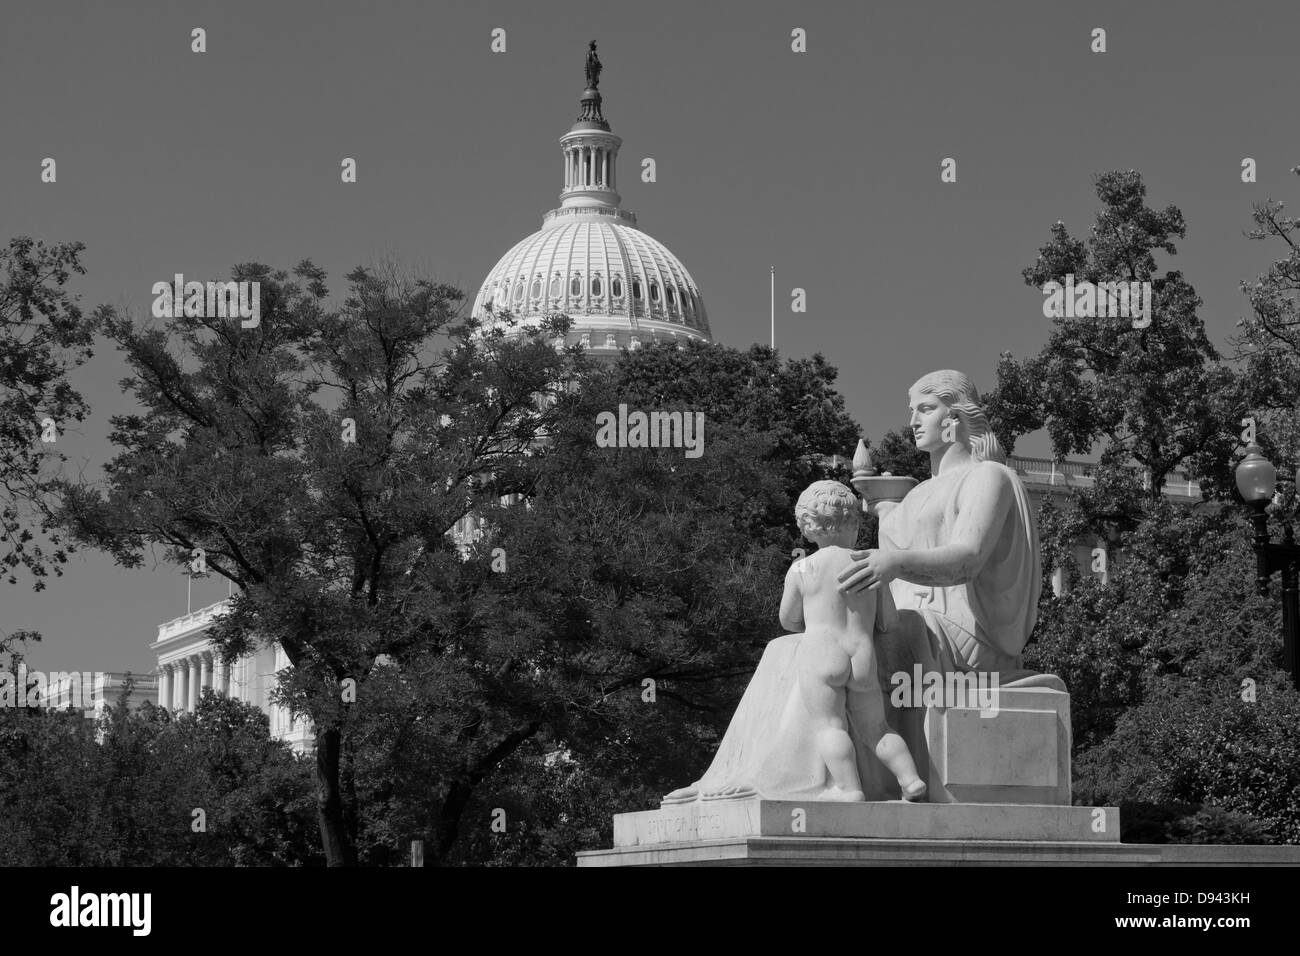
(837, 658)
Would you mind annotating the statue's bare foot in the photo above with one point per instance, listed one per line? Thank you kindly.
(836, 795)
(914, 791)
(737, 791)
(683, 795)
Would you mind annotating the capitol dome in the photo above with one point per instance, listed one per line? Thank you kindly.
(589, 260)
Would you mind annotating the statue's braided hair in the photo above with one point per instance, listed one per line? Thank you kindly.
(957, 391)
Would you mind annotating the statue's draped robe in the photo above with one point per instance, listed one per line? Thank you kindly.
(982, 625)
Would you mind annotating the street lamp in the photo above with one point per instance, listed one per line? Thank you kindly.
(1257, 481)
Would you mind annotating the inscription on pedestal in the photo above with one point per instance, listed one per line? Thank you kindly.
(685, 825)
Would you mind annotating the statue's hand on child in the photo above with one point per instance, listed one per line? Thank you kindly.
(871, 570)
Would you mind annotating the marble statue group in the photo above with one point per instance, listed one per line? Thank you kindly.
(952, 591)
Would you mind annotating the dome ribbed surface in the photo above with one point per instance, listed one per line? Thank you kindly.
(607, 276)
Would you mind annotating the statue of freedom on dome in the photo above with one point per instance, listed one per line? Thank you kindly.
(593, 67)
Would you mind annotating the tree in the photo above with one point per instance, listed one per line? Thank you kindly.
(138, 788)
(1181, 606)
(318, 461)
(43, 336)
(1205, 745)
(597, 639)
(793, 403)
(1157, 395)
(897, 454)
(1268, 344)
(1178, 697)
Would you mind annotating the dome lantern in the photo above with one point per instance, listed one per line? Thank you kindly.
(590, 150)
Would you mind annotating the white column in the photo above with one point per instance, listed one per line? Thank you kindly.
(181, 676)
(192, 695)
(223, 678)
(165, 686)
(604, 168)
(205, 665)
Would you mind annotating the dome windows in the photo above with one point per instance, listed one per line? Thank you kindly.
(593, 267)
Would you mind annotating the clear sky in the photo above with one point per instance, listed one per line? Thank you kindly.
(825, 164)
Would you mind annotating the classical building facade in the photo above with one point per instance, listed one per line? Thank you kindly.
(92, 692)
(188, 664)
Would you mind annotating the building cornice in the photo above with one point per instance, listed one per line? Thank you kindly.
(173, 632)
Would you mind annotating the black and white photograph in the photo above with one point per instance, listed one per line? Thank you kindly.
(482, 435)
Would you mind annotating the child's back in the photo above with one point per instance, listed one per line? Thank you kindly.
(845, 618)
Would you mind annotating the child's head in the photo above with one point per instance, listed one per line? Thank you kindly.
(827, 509)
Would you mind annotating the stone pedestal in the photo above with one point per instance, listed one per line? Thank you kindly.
(819, 832)
(821, 851)
(890, 820)
(1016, 753)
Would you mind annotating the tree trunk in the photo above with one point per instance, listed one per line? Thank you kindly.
(1156, 492)
(351, 806)
(329, 801)
(447, 825)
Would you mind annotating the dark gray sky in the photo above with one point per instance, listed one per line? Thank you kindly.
(824, 164)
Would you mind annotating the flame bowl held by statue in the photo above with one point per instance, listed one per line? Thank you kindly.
(875, 488)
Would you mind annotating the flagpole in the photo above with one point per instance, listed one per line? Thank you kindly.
(772, 305)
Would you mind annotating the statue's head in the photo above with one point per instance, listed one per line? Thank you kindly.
(949, 394)
(827, 508)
